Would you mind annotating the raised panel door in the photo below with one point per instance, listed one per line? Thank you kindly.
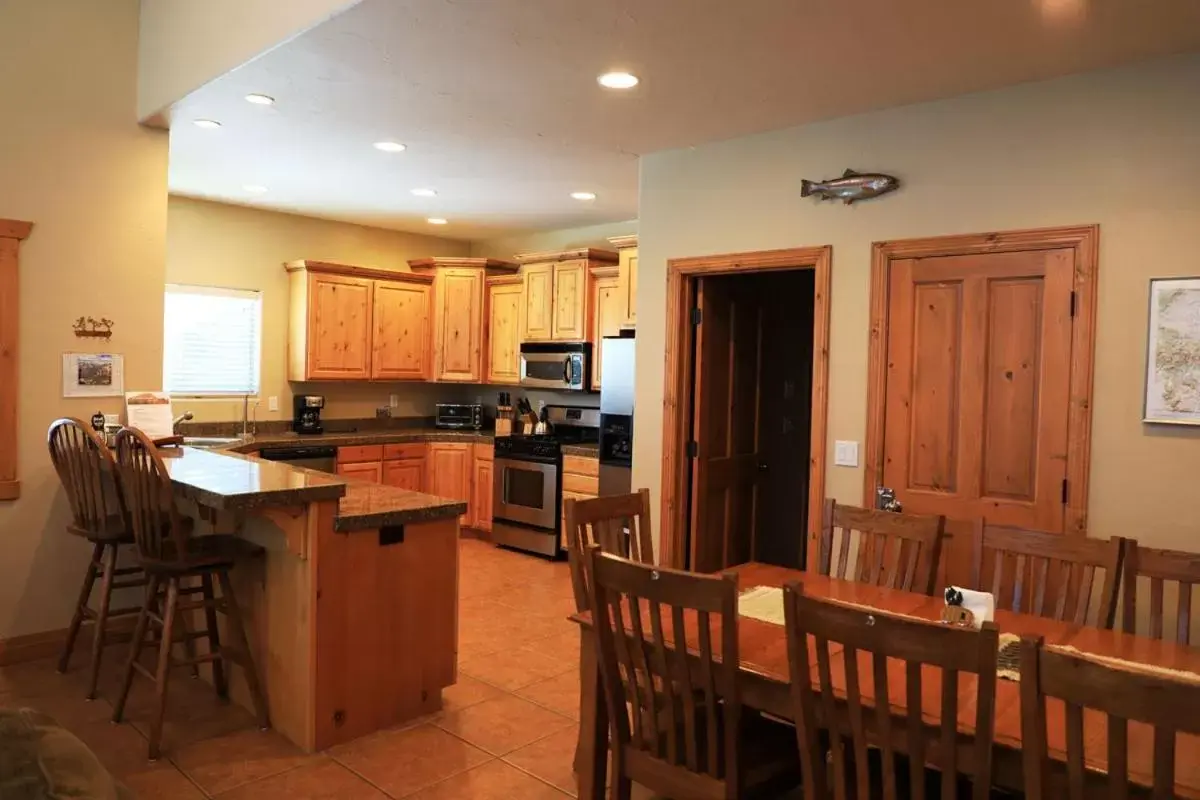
(539, 301)
(504, 332)
(339, 327)
(407, 473)
(570, 301)
(365, 470)
(448, 473)
(481, 495)
(628, 272)
(607, 318)
(400, 338)
(458, 340)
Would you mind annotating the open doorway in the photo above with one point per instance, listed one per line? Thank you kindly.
(744, 427)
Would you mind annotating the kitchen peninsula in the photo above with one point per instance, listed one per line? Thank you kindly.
(353, 612)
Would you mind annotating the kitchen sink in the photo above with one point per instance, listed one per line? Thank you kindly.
(211, 441)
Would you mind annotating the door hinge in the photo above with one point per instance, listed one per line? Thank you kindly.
(696, 316)
(1064, 491)
(1073, 301)
(693, 449)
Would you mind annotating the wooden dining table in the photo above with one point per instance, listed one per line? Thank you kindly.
(764, 681)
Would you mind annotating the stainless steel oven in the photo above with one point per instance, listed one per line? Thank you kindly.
(526, 492)
(562, 366)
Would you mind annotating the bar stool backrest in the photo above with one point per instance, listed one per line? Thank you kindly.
(82, 460)
(146, 486)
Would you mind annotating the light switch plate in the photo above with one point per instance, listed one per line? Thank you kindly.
(845, 454)
(272, 403)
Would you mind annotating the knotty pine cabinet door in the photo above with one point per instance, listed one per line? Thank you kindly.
(339, 327)
(607, 317)
(629, 274)
(570, 301)
(459, 295)
(407, 473)
(505, 302)
(539, 301)
(448, 472)
(481, 492)
(365, 470)
(400, 339)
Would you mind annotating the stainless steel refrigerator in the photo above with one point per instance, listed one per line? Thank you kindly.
(616, 414)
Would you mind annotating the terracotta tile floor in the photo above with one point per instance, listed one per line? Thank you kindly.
(507, 729)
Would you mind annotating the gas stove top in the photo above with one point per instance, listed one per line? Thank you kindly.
(571, 426)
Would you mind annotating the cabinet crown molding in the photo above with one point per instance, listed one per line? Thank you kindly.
(14, 229)
(330, 268)
(470, 263)
(622, 242)
(590, 253)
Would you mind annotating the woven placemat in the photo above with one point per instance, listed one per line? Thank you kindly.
(1008, 657)
(1131, 666)
(765, 603)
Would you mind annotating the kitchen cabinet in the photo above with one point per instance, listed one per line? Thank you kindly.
(449, 471)
(627, 251)
(505, 299)
(459, 297)
(581, 481)
(404, 465)
(357, 323)
(482, 488)
(558, 293)
(607, 317)
(366, 470)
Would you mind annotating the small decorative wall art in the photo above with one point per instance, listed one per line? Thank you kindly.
(88, 327)
(1173, 352)
(93, 375)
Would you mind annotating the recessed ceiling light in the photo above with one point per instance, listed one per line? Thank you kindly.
(583, 195)
(207, 124)
(436, 221)
(618, 80)
(254, 188)
(390, 147)
(425, 192)
(260, 99)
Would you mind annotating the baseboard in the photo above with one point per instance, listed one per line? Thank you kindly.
(48, 644)
(474, 533)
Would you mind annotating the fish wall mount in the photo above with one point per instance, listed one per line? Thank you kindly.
(851, 186)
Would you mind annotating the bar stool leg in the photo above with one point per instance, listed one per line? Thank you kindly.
(85, 594)
(189, 644)
(238, 632)
(135, 647)
(163, 674)
(109, 567)
(214, 636)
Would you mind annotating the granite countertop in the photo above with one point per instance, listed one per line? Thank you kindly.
(401, 436)
(368, 506)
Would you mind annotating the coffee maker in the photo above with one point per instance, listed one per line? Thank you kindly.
(306, 413)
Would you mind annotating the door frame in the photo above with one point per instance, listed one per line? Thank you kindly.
(679, 389)
(1084, 240)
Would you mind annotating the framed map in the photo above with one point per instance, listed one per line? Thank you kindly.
(1173, 353)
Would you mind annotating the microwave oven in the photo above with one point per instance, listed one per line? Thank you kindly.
(460, 416)
(560, 366)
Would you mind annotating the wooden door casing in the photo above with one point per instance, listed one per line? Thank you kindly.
(980, 381)
(569, 321)
(539, 301)
(400, 337)
(506, 298)
(458, 339)
(608, 314)
(339, 327)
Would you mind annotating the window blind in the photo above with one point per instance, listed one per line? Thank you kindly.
(212, 341)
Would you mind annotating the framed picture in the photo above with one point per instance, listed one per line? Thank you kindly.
(1173, 353)
(93, 375)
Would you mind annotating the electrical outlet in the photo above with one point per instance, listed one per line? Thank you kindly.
(845, 454)
(394, 400)
(272, 403)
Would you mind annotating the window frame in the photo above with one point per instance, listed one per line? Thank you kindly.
(216, 291)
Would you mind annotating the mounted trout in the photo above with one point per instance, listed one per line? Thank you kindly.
(851, 186)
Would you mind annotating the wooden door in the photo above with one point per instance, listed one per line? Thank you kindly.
(406, 473)
(977, 391)
(607, 316)
(400, 339)
(458, 338)
(448, 473)
(570, 301)
(364, 470)
(629, 273)
(539, 301)
(504, 332)
(481, 494)
(339, 327)
(725, 470)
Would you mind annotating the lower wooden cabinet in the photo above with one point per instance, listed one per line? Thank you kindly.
(406, 473)
(365, 470)
(581, 481)
(448, 472)
(481, 488)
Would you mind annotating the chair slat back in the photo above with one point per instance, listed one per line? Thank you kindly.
(1048, 574)
(82, 461)
(897, 551)
(620, 524)
(684, 716)
(149, 499)
(862, 674)
(1169, 705)
(1163, 569)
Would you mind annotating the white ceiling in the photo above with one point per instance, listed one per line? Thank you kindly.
(498, 103)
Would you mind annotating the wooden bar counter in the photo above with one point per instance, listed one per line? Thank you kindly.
(353, 613)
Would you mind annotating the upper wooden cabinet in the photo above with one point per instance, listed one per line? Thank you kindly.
(357, 323)
(627, 249)
(505, 302)
(608, 315)
(558, 293)
(459, 298)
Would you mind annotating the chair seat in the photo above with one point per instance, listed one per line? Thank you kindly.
(204, 553)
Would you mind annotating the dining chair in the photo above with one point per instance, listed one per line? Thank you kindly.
(87, 470)
(1162, 568)
(171, 556)
(620, 524)
(1048, 574)
(1123, 692)
(897, 551)
(673, 697)
(852, 645)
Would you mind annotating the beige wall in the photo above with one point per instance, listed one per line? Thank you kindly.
(213, 244)
(74, 162)
(1115, 148)
(564, 239)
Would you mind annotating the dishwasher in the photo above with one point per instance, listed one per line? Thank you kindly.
(311, 456)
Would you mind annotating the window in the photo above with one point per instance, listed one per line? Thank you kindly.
(212, 341)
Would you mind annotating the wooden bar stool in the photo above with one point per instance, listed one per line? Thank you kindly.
(170, 555)
(88, 473)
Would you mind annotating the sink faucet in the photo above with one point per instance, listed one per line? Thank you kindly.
(184, 417)
(246, 417)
